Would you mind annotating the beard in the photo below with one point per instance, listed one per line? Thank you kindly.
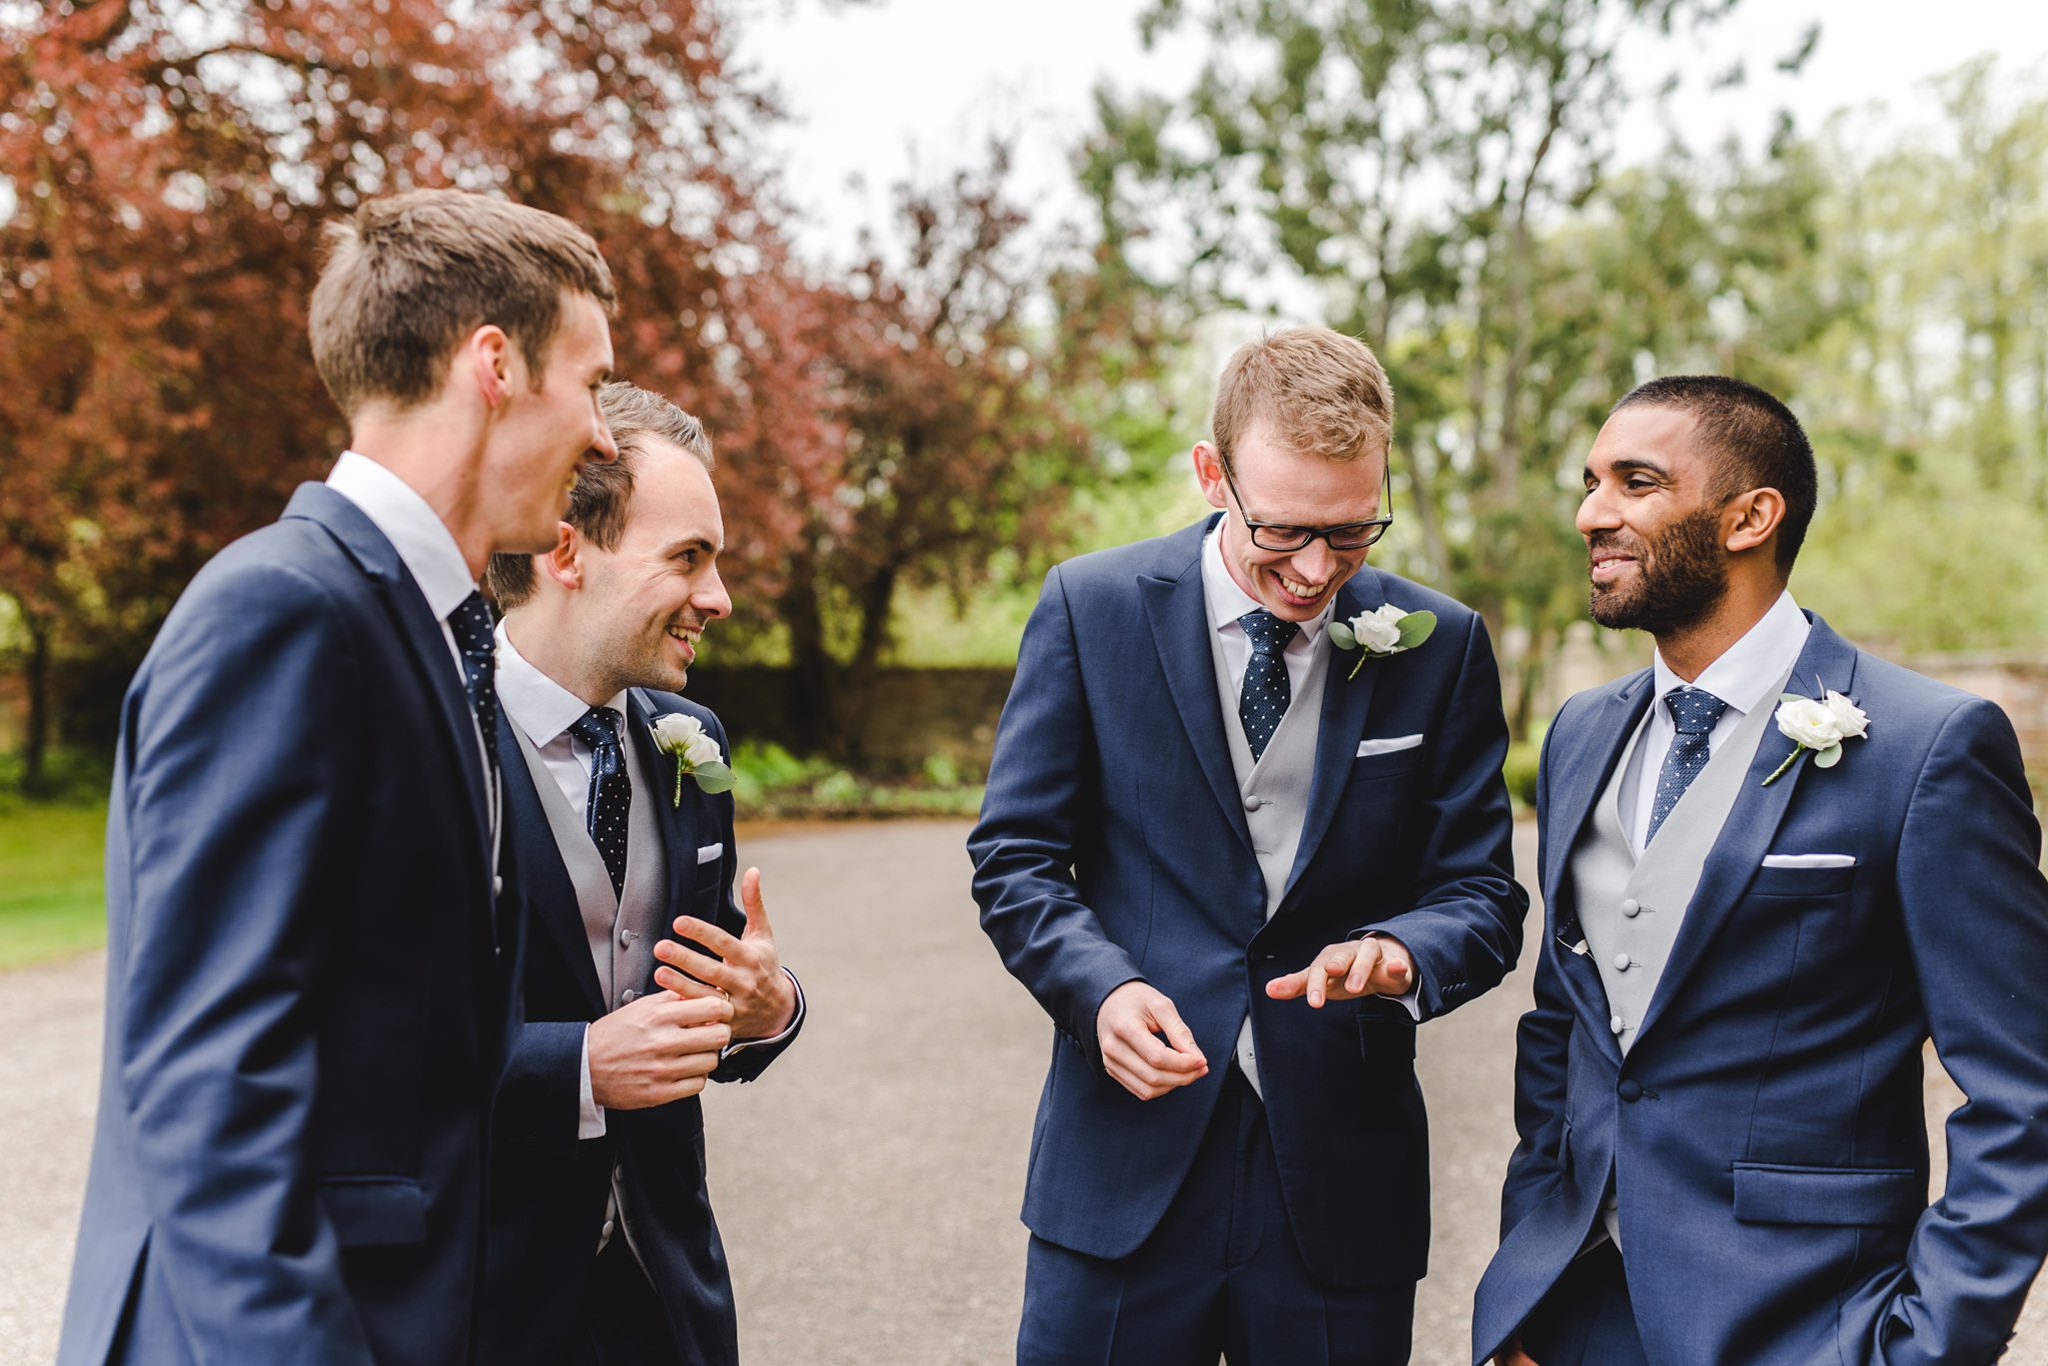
(1679, 581)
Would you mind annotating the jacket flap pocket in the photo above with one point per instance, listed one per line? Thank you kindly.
(374, 1211)
(1879, 1196)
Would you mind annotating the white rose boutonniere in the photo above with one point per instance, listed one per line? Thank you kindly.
(1817, 725)
(1384, 631)
(695, 753)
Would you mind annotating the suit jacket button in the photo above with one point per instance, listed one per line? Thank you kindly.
(1254, 802)
(1630, 1089)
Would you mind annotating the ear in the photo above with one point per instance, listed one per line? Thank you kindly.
(564, 563)
(1751, 520)
(1209, 469)
(489, 359)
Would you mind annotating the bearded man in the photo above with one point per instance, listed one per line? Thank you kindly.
(1754, 929)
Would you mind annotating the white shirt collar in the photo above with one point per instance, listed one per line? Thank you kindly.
(1227, 601)
(1749, 669)
(542, 708)
(414, 529)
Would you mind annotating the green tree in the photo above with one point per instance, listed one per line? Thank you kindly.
(1435, 176)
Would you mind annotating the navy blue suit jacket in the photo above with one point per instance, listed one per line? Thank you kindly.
(1766, 1130)
(549, 1189)
(1112, 846)
(309, 988)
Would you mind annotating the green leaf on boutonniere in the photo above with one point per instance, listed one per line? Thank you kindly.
(1341, 636)
(1827, 758)
(1416, 628)
(713, 777)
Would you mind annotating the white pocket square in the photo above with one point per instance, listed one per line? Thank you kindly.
(708, 853)
(1809, 860)
(1389, 746)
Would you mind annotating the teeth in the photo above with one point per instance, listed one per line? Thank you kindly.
(1301, 590)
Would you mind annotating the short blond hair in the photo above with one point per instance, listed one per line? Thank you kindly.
(409, 276)
(1323, 393)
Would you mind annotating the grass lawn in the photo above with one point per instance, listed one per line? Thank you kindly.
(51, 887)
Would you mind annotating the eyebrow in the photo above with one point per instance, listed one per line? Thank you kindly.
(1629, 464)
(675, 548)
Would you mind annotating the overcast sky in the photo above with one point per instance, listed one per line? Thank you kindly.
(880, 91)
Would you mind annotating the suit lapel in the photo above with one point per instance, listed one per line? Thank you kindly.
(422, 635)
(1346, 700)
(1583, 762)
(1753, 823)
(549, 889)
(677, 823)
(1179, 616)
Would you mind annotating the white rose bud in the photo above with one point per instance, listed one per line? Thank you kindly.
(676, 733)
(1379, 631)
(1850, 719)
(1812, 723)
(701, 750)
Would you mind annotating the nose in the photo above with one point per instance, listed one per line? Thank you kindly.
(1596, 513)
(603, 449)
(1316, 562)
(711, 599)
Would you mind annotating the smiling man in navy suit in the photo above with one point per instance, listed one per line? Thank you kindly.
(1760, 908)
(1202, 810)
(602, 1245)
(310, 965)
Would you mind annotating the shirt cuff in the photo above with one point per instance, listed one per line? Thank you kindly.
(796, 1017)
(1411, 998)
(589, 1114)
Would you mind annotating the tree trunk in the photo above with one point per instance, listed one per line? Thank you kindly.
(35, 743)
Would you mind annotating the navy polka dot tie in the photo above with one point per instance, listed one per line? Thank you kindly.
(1263, 699)
(611, 791)
(1695, 713)
(471, 623)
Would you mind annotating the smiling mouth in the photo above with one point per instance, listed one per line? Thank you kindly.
(689, 638)
(1605, 567)
(1303, 591)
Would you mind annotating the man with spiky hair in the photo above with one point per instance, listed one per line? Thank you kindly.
(311, 947)
(646, 976)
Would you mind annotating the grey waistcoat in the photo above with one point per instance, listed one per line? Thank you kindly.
(1275, 790)
(622, 930)
(1630, 910)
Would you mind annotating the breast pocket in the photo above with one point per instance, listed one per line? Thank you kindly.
(1373, 768)
(1803, 883)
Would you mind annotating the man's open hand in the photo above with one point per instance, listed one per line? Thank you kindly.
(1128, 1028)
(763, 998)
(1374, 966)
(658, 1049)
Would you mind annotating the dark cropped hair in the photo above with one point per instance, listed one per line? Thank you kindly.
(597, 505)
(1752, 439)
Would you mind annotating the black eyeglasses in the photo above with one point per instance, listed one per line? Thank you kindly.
(1343, 536)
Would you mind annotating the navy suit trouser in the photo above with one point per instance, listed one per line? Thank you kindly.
(1586, 1319)
(1220, 1277)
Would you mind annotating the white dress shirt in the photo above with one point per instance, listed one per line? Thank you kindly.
(427, 549)
(544, 711)
(1310, 649)
(1743, 677)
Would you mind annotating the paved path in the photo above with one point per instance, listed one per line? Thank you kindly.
(868, 1184)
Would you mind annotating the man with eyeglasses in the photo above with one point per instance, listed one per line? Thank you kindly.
(1237, 862)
